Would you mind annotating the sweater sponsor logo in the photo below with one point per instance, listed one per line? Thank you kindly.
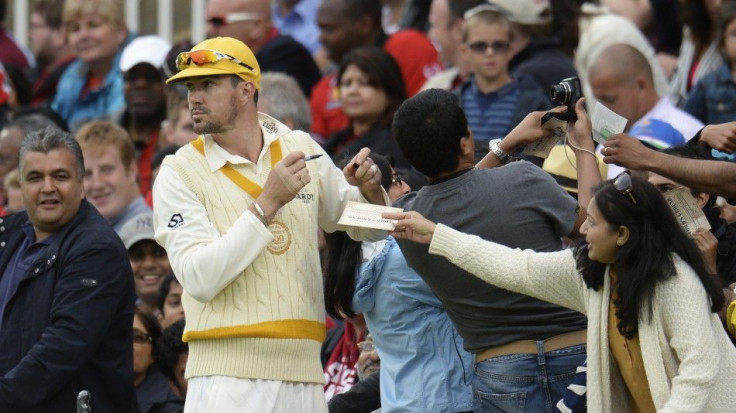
(176, 221)
(305, 197)
(270, 127)
(281, 238)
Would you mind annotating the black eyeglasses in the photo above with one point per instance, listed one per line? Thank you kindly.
(623, 184)
(140, 337)
(482, 47)
(396, 179)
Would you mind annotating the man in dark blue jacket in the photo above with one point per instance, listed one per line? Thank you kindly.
(66, 291)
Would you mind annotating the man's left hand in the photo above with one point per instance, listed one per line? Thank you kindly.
(363, 173)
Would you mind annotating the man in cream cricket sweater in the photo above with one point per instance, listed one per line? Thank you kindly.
(238, 211)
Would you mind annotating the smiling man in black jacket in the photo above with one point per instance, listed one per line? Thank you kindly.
(66, 291)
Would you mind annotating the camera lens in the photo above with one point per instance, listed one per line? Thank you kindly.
(560, 93)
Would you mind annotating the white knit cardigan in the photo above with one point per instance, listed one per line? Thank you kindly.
(689, 360)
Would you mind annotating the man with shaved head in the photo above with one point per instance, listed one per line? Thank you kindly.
(250, 22)
(622, 80)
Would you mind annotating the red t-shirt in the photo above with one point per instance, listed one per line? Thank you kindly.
(417, 58)
(144, 164)
(341, 368)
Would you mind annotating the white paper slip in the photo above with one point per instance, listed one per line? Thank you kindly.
(542, 147)
(686, 210)
(606, 123)
(359, 214)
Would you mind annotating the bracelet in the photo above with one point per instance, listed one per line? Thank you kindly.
(261, 214)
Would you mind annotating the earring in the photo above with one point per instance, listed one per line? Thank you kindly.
(620, 243)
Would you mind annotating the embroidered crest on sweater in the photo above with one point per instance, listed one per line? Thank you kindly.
(281, 238)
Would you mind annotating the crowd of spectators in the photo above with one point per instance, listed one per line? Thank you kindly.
(446, 95)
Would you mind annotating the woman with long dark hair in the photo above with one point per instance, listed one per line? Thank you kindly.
(654, 337)
(423, 364)
(371, 89)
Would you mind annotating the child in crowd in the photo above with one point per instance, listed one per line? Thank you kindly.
(493, 101)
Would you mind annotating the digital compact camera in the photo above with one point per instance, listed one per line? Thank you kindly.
(567, 93)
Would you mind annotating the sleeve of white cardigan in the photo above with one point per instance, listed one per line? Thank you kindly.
(549, 276)
(688, 325)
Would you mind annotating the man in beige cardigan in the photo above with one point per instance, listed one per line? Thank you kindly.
(238, 211)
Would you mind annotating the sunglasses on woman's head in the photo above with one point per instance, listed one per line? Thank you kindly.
(623, 184)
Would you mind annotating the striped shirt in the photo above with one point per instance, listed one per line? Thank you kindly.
(490, 116)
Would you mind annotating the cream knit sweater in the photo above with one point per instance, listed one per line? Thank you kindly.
(267, 320)
(689, 360)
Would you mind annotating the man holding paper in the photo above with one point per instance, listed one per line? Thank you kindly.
(622, 81)
(715, 238)
(238, 211)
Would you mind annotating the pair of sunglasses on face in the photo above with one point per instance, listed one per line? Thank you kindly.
(482, 47)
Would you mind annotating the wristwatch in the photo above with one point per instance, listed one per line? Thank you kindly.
(502, 156)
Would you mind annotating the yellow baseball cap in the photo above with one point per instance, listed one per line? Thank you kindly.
(218, 56)
(561, 164)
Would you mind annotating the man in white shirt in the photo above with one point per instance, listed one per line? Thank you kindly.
(621, 79)
(238, 212)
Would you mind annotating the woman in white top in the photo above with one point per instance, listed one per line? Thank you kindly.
(654, 338)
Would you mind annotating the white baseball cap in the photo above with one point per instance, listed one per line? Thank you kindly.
(138, 228)
(150, 49)
(528, 12)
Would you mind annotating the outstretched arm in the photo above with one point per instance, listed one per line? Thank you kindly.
(713, 177)
(550, 277)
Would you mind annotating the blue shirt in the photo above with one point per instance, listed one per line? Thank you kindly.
(424, 367)
(22, 259)
(300, 23)
(105, 102)
(490, 116)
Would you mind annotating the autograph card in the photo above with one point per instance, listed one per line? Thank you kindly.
(359, 214)
(606, 123)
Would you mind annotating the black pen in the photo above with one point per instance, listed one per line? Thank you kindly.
(310, 157)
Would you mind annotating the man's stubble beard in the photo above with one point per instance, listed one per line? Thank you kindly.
(206, 128)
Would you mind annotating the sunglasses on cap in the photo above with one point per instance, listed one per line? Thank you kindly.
(234, 18)
(623, 184)
(203, 57)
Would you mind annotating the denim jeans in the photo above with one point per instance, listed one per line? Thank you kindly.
(530, 383)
